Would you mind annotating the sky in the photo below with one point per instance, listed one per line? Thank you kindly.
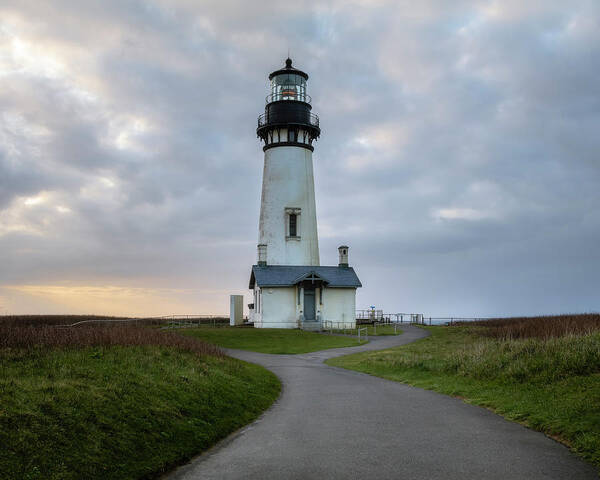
(459, 156)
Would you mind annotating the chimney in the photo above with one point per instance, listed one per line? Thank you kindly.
(262, 254)
(343, 249)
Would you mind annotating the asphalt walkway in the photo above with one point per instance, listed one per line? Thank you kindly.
(331, 423)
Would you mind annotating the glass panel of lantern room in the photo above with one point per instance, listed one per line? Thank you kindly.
(288, 87)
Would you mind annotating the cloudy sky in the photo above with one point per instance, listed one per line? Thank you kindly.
(459, 156)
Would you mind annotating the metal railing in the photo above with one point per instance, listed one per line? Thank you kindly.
(451, 320)
(347, 328)
(365, 333)
(189, 321)
(396, 325)
(372, 316)
(134, 321)
(169, 321)
(338, 326)
(287, 117)
(288, 94)
(377, 316)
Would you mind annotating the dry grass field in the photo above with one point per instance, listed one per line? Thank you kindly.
(548, 326)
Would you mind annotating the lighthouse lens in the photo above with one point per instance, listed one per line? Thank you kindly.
(288, 87)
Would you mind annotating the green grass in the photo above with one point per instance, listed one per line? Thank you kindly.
(550, 385)
(270, 340)
(119, 412)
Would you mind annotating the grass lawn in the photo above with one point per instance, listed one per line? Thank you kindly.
(550, 385)
(119, 412)
(270, 340)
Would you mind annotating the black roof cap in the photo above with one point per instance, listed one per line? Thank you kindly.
(289, 69)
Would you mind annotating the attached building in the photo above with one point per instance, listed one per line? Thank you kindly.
(292, 296)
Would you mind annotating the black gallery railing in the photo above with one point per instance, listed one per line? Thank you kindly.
(288, 116)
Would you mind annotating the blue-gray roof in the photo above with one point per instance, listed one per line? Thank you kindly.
(289, 275)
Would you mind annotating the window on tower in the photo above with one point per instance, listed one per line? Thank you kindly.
(293, 225)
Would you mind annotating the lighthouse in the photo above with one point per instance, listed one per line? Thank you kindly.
(290, 287)
(288, 129)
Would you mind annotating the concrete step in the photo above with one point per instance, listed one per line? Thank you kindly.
(312, 326)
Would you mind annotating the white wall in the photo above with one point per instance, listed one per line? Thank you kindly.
(339, 306)
(278, 308)
(256, 316)
(288, 182)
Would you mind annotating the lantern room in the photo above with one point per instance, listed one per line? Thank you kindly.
(288, 83)
(288, 119)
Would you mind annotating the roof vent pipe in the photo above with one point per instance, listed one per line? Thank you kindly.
(262, 254)
(343, 250)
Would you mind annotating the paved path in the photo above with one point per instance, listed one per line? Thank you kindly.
(331, 423)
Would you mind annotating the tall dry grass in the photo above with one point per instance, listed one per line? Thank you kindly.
(544, 327)
(527, 359)
(20, 320)
(51, 336)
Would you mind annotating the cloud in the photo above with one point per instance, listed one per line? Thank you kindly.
(458, 157)
(461, 214)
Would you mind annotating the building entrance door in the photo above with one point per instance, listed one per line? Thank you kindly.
(309, 304)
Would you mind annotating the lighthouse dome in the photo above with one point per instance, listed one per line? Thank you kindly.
(288, 69)
(288, 83)
(288, 118)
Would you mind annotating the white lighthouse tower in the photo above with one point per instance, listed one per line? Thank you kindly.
(288, 129)
(290, 287)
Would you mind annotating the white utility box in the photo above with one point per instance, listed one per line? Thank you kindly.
(236, 310)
